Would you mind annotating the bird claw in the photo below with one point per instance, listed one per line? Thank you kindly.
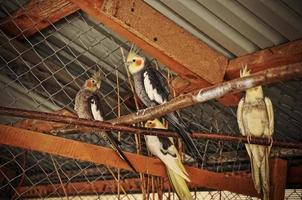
(249, 139)
(141, 112)
(270, 140)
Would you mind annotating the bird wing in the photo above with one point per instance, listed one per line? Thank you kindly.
(255, 152)
(94, 101)
(270, 113)
(158, 92)
(155, 86)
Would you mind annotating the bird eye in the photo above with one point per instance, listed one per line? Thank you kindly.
(93, 81)
(133, 60)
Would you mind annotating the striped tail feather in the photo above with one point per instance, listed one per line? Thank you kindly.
(108, 137)
(185, 135)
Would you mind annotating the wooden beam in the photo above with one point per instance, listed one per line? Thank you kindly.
(81, 188)
(67, 148)
(278, 177)
(37, 15)
(285, 54)
(180, 51)
(295, 175)
(132, 185)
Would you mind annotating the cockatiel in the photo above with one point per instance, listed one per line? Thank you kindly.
(164, 149)
(256, 118)
(87, 106)
(152, 89)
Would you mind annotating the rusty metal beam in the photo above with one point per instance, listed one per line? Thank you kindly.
(70, 149)
(105, 126)
(36, 15)
(278, 177)
(285, 54)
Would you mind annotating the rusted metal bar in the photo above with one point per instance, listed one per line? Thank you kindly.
(68, 148)
(106, 126)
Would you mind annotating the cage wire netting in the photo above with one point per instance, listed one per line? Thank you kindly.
(44, 71)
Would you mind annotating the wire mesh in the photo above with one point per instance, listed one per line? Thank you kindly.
(44, 71)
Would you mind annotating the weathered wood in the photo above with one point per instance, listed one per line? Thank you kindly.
(278, 177)
(78, 188)
(285, 54)
(70, 149)
(37, 15)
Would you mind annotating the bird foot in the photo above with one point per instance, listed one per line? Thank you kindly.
(270, 140)
(141, 112)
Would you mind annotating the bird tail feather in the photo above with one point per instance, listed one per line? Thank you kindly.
(179, 185)
(185, 135)
(265, 179)
(175, 165)
(108, 137)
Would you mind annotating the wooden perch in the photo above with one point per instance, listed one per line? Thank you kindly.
(216, 91)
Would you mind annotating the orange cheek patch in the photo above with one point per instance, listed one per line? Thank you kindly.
(138, 62)
(89, 84)
(152, 125)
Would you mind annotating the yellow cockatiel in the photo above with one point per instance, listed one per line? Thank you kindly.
(256, 118)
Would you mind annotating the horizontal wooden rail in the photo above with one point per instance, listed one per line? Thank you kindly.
(67, 148)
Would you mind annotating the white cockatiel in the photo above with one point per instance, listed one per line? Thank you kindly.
(256, 118)
(164, 149)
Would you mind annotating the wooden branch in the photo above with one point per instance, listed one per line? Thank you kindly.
(219, 90)
(105, 126)
(285, 54)
(36, 15)
(70, 149)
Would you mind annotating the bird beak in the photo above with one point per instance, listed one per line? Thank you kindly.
(98, 85)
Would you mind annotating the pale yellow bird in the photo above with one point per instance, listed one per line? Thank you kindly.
(255, 117)
(164, 149)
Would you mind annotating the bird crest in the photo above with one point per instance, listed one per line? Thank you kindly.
(96, 75)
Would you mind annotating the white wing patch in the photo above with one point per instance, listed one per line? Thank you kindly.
(95, 112)
(152, 92)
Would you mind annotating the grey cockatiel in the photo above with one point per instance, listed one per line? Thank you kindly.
(152, 89)
(164, 149)
(256, 118)
(87, 106)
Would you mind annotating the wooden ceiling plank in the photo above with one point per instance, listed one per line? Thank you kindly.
(285, 54)
(37, 15)
(67, 148)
